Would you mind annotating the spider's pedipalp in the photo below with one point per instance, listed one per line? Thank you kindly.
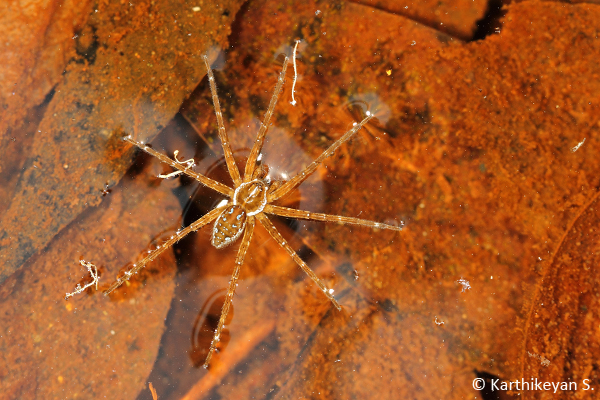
(260, 137)
(312, 167)
(311, 216)
(206, 219)
(184, 168)
(268, 225)
(229, 160)
(232, 284)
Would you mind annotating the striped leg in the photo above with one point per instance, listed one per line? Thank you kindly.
(312, 167)
(311, 216)
(183, 168)
(264, 220)
(229, 160)
(260, 138)
(206, 219)
(232, 285)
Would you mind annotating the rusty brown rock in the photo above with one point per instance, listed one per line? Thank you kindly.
(38, 40)
(90, 346)
(142, 62)
(560, 342)
(456, 18)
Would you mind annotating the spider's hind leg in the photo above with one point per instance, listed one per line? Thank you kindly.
(231, 289)
(264, 220)
(206, 219)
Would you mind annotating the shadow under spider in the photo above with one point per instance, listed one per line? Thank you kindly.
(250, 200)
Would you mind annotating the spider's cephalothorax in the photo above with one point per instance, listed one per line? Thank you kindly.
(251, 199)
(248, 199)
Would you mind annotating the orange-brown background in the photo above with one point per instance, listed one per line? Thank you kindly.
(472, 151)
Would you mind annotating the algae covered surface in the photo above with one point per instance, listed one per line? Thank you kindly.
(485, 150)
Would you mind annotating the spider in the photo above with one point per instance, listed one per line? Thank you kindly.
(249, 200)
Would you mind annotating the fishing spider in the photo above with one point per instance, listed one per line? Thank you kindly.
(250, 199)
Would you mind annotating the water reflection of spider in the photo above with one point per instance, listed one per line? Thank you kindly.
(250, 199)
(204, 327)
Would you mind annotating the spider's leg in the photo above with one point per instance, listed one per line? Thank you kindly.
(232, 285)
(206, 219)
(307, 215)
(260, 138)
(266, 222)
(301, 177)
(233, 169)
(206, 181)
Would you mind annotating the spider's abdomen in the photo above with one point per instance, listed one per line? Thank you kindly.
(229, 226)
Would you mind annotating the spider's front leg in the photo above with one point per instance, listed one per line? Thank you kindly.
(182, 168)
